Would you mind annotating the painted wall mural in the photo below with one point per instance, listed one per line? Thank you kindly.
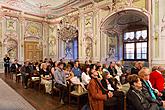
(112, 48)
(33, 30)
(12, 48)
(11, 37)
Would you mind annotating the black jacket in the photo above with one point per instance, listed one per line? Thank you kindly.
(104, 84)
(134, 70)
(136, 100)
(112, 71)
(6, 61)
(13, 67)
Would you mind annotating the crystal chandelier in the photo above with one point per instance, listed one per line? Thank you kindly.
(66, 32)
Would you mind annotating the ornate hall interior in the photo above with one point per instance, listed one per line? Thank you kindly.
(88, 30)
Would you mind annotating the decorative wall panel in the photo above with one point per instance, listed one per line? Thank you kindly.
(11, 24)
(33, 30)
(140, 3)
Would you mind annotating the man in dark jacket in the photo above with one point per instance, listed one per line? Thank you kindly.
(6, 64)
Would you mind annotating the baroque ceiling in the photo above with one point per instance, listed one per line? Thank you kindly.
(44, 8)
(124, 20)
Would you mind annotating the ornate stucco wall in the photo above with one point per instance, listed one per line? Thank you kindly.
(93, 42)
(17, 27)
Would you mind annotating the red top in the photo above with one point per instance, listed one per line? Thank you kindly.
(157, 80)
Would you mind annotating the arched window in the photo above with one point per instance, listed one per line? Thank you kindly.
(135, 45)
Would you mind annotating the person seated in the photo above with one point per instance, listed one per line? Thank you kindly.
(137, 67)
(36, 69)
(95, 95)
(25, 71)
(76, 70)
(60, 81)
(68, 72)
(46, 78)
(120, 72)
(151, 93)
(135, 98)
(157, 79)
(99, 70)
(112, 69)
(15, 67)
(109, 84)
(85, 75)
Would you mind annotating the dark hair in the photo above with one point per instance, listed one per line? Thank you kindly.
(68, 66)
(75, 61)
(91, 66)
(85, 68)
(132, 79)
(60, 63)
(97, 68)
(36, 63)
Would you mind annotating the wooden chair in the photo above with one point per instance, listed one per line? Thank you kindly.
(18, 76)
(77, 95)
(34, 80)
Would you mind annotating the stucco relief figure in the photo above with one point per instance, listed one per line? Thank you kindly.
(111, 53)
(12, 48)
(88, 49)
(12, 53)
(88, 52)
(52, 47)
(11, 24)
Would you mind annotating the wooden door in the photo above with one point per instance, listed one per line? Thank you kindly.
(33, 51)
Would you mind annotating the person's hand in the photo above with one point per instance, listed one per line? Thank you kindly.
(163, 104)
(158, 93)
(110, 94)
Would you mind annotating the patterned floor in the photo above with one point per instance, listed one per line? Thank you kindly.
(11, 100)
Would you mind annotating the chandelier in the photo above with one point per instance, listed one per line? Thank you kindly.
(66, 31)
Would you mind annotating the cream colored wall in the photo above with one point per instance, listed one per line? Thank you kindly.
(158, 26)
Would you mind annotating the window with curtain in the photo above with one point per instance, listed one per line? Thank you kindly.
(135, 45)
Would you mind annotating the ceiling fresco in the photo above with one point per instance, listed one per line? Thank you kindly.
(49, 8)
(124, 19)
